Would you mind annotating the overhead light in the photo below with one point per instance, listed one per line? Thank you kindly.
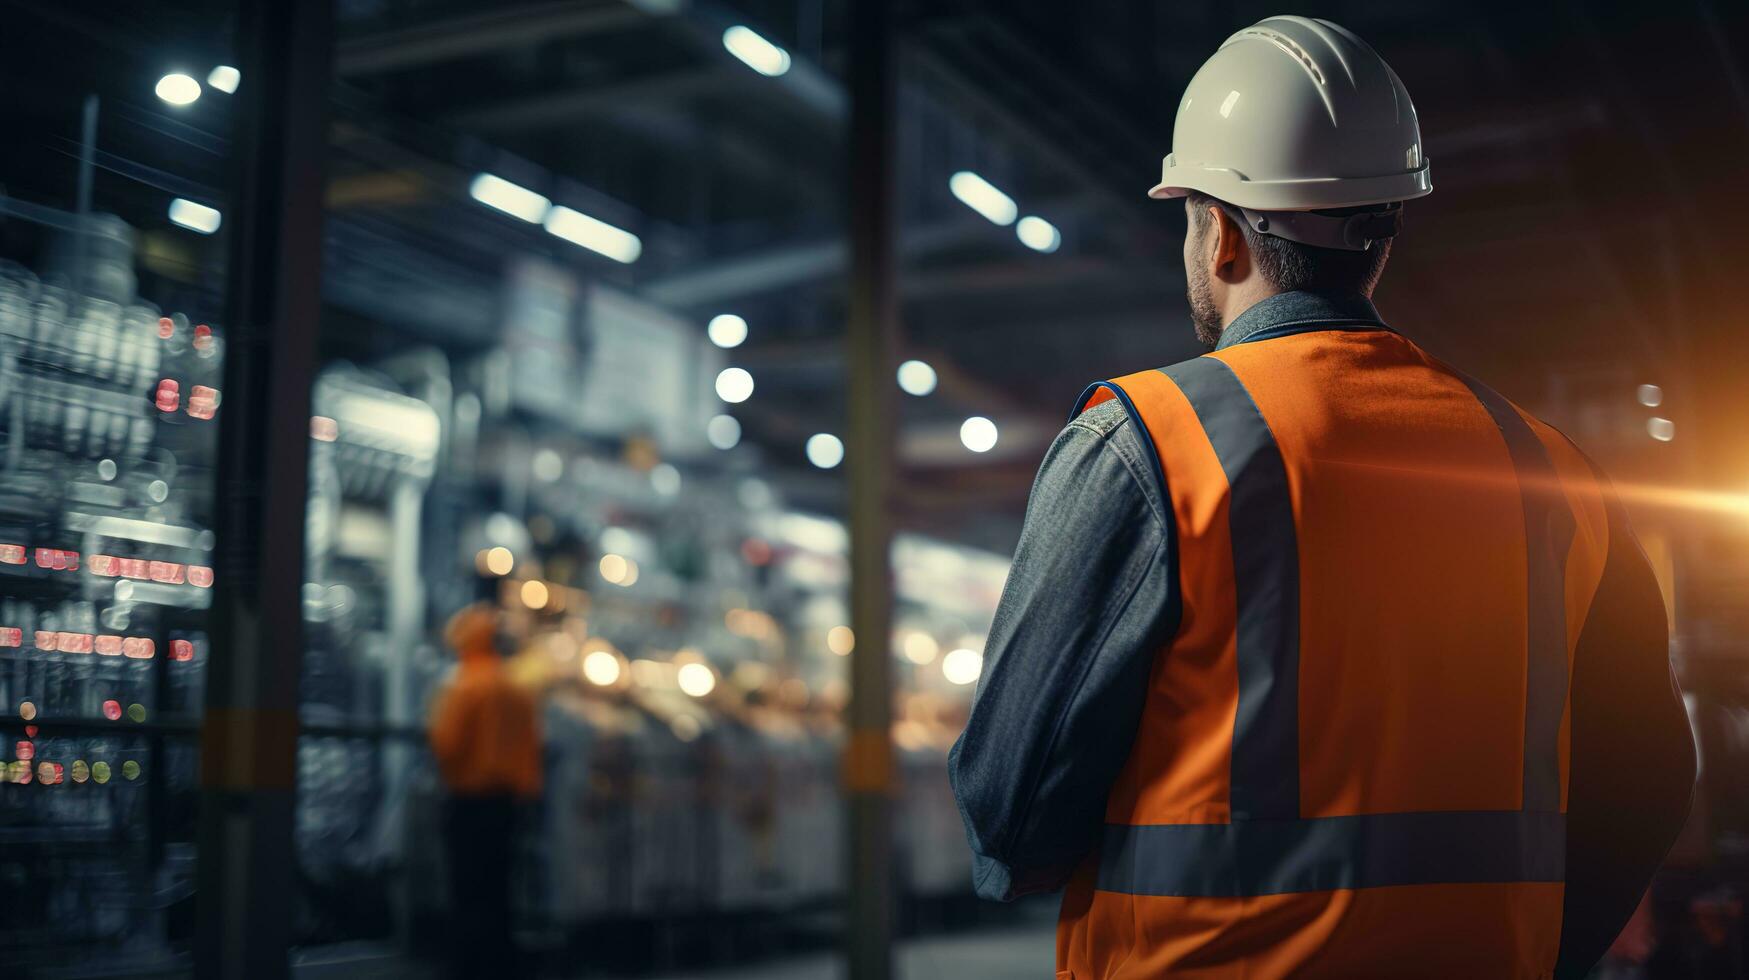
(756, 52)
(1651, 396)
(734, 385)
(978, 434)
(665, 479)
(513, 199)
(601, 668)
(534, 594)
(177, 89)
(825, 450)
(593, 234)
(962, 666)
(696, 679)
(1038, 234)
(224, 78)
(1662, 430)
(723, 431)
(916, 378)
(727, 330)
(195, 217)
(920, 648)
(982, 196)
(840, 640)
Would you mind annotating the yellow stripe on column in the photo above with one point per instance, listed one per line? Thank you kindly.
(868, 762)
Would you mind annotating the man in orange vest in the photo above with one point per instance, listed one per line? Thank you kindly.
(485, 735)
(1318, 657)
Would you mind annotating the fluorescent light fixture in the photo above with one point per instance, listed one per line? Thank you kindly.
(1662, 430)
(177, 89)
(593, 234)
(983, 197)
(1651, 396)
(195, 217)
(513, 199)
(224, 78)
(916, 378)
(978, 434)
(734, 385)
(723, 431)
(1038, 234)
(756, 52)
(824, 450)
(727, 330)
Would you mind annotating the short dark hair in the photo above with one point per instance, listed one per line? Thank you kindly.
(1291, 265)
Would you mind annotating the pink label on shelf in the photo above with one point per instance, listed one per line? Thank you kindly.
(135, 567)
(55, 559)
(46, 639)
(11, 636)
(75, 642)
(108, 645)
(138, 647)
(12, 554)
(181, 650)
(25, 751)
(168, 572)
(200, 576)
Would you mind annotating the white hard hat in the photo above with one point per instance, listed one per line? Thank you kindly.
(1296, 114)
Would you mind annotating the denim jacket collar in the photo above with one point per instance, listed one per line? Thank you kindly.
(1297, 311)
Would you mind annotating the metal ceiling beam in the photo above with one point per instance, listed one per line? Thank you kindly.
(571, 105)
(484, 33)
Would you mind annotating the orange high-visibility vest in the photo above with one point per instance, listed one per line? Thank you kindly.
(1353, 759)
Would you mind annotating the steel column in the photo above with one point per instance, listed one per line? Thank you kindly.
(273, 301)
(868, 761)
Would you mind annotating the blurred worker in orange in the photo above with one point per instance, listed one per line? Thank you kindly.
(1319, 658)
(485, 734)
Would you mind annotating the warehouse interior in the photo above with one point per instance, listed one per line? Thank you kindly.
(581, 347)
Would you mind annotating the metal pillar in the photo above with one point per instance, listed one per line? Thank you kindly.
(273, 302)
(868, 759)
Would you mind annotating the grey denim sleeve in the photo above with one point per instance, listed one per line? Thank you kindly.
(1086, 608)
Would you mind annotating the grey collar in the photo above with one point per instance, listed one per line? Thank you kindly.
(1298, 311)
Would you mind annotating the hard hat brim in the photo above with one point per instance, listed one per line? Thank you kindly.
(1313, 194)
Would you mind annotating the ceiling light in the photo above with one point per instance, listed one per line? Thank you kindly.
(978, 434)
(513, 199)
(195, 217)
(962, 666)
(756, 52)
(1038, 234)
(177, 89)
(727, 330)
(224, 78)
(825, 451)
(723, 431)
(593, 234)
(982, 196)
(734, 385)
(916, 378)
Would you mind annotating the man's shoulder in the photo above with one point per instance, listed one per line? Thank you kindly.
(1102, 419)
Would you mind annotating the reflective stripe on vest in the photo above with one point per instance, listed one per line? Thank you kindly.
(1267, 847)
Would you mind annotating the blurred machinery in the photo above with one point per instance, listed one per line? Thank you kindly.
(106, 410)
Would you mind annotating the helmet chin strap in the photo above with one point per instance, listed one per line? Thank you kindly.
(1352, 232)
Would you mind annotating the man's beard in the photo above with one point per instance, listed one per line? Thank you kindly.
(1203, 314)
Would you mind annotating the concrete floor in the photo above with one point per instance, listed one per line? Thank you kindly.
(1007, 954)
(1019, 952)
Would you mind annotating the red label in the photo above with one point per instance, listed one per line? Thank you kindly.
(108, 645)
(166, 328)
(168, 572)
(11, 636)
(24, 750)
(46, 639)
(12, 554)
(138, 647)
(57, 560)
(106, 565)
(200, 576)
(181, 650)
(136, 567)
(112, 710)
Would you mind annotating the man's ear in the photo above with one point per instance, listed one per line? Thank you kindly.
(1232, 259)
